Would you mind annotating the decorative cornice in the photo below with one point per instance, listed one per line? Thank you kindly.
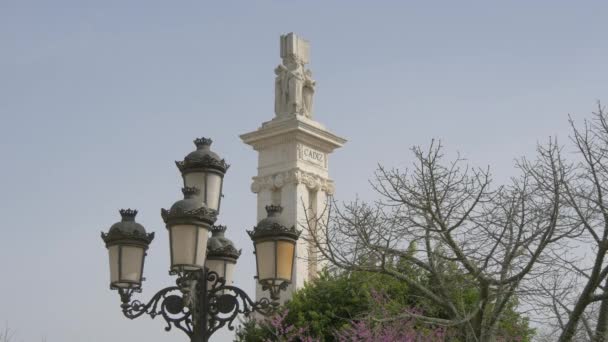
(177, 215)
(272, 230)
(205, 161)
(117, 236)
(223, 252)
(293, 176)
(294, 127)
(271, 227)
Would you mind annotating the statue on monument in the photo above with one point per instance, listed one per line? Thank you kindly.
(307, 92)
(294, 86)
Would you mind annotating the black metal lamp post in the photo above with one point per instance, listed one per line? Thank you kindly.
(203, 299)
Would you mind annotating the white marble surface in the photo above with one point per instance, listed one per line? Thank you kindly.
(293, 164)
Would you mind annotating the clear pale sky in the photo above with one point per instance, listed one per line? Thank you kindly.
(97, 99)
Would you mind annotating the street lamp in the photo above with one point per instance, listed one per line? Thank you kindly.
(275, 251)
(127, 242)
(204, 170)
(221, 254)
(203, 299)
(188, 223)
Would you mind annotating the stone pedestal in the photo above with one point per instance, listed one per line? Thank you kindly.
(293, 165)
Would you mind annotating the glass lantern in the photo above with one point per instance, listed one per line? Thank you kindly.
(188, 224)
(127, 242)
(205, 170)
(221, 254)
(275, 249)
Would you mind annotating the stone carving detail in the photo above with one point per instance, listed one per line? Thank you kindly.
(311, 155)
(294, 86)
(294, 176)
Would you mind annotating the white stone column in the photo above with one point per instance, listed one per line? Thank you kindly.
(293, 162)
(264, 199)
(301, 269)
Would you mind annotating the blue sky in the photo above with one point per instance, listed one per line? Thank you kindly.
(98, 98)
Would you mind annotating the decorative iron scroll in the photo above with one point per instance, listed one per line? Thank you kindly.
(176, 304)
(170, 306)
(227, 302)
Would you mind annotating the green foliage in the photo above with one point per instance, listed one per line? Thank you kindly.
(514, 324)
(329, 303)
(334, 300)
(250, 331)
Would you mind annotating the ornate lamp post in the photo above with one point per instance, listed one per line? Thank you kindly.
(203, 299)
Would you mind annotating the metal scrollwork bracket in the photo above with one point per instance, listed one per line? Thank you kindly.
(197, 293)
(226, 302)
(166, 303)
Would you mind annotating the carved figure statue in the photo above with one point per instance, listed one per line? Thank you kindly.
(280, 95)
(294, 86)
(307, 93)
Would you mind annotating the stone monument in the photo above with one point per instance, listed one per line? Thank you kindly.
(293, 151)
(294, 86)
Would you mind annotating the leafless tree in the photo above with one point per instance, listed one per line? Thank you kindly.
(442, 212)
(552, 297)
(585, 192)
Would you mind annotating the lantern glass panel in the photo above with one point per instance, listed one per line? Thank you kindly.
(216, 265)
(229, 276)
(214, 188)
(132, 263)
(196, 180)
(201, 253)
(285, 251)
(265, 256)
(188, 247)
(113, 252)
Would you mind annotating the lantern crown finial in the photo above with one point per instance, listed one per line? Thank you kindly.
(273, 210)
(218, 230)
(202, 143)
(128, 214)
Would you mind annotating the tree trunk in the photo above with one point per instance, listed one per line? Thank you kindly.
(584, 299)
(480, 319)
(577, 313)
(601, 330)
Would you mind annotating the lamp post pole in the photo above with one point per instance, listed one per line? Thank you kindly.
(200, 329)
(203, 300)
